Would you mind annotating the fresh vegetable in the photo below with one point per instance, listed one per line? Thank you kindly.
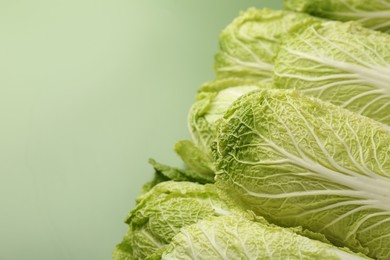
(374, 14)
(289, 156)
(234, 237)
(212, 101)
(249, 44)
(164, 210)
(299, 161)
(342, 63)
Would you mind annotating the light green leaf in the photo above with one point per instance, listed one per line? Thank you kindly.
(157, 178)
(234, 237)
(248, 45)
(164, 210)
(176, 174)
(299, 161)
(342, 63)
(374, 14)
(212, 101)
(198, 161)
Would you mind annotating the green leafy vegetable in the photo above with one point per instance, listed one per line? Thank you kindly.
(161, 212)
(289, 156)
(249, 44)
(212, 101)
(374, 14)
(197, 160)
(176, 174)
(299, 161)
(234, 237)
(339, 62)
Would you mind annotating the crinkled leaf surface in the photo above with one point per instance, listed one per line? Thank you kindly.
(248, 45)
(299, 161)
(161, 212)
(234, 237)
(374, 14)
(212, 101)
(342, 63)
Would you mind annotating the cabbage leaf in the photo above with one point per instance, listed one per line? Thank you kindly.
(374, 14)
(212, 101)
(249, 44)
(299, 161)
(161, 212)
(342, 63)
(234, 237)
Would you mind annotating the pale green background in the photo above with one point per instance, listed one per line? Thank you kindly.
(89, 90)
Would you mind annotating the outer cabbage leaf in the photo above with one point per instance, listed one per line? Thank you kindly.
(234, 237)
(374, 14)
(342, 63)
(248, 45)
(161, 212)
(299, 161)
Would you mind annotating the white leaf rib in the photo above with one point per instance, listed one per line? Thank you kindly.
(337, 205)
(361, 95)
(380, 165)
(164, 218)
(363, 109)
(192, 251)
(337, 83)
(363, 220)
(211, 239)
(365, 170)
(258, 65)
(314, 135)
(354, 162)
(365, 51)
(378, 77)
(380, 26)
(378, 222)
(343, 216)
(340, 76)
(385, 118)
(384, 106)
(296, 145)
(364, 16)
(347, 193)
(340, 49)
(151, 238)
(371, 188)
(384, 63)
(247, 49)
(268, 162)
(374, 240)
(330, 159)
